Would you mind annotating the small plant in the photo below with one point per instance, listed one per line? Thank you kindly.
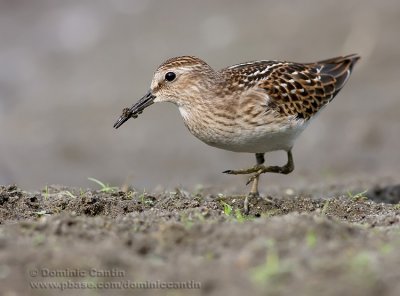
(104, 187)
(239, 216)
(144, 200)
(325, 207)
(46, 192)
(186, 221)
(271, 268)
(81, 192)
(69, 193)
(311, 239)
(358, 196)
(227, 209)
(41, 213)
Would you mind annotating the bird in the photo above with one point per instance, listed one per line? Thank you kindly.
(254, 107)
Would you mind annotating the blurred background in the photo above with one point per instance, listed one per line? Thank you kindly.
(67, 68)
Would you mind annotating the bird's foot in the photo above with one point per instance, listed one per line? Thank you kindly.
(254, 195)
(246, 201)
(254, 169)
(261, 169)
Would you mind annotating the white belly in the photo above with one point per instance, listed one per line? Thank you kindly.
(245, 138)
(253, 142)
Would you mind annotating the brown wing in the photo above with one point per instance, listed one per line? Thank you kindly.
(303, 89)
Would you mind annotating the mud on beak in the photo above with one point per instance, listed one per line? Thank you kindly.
(136, 109)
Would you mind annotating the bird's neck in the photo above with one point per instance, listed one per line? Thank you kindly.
(208, 116)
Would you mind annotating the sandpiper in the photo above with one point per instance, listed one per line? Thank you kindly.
(253, 107)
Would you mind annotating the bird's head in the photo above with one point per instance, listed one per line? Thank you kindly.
(181, 81)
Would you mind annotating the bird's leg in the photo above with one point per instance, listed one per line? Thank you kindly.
(254, 188)
(286, 169)
(261, 169)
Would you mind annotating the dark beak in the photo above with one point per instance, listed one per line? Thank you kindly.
(135, 110)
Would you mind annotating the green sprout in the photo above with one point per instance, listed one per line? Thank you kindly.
(145, 199)
(46, 192)
(104, 187)
(239, 216)
(271, 268)
(227, 209)
(236, 214)
(311, 239)
(358, 196)
(69, 193)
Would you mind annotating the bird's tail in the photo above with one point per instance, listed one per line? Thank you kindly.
(340, 68)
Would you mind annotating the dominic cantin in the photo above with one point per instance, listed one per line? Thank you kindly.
(93, 272)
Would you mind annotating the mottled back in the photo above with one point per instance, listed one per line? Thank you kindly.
(294, 89)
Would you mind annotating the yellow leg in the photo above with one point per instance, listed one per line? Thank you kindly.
(259, 169)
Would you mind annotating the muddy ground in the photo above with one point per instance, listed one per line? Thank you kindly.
(109, 243)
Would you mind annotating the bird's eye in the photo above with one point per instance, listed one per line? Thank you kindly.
(170, 76)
